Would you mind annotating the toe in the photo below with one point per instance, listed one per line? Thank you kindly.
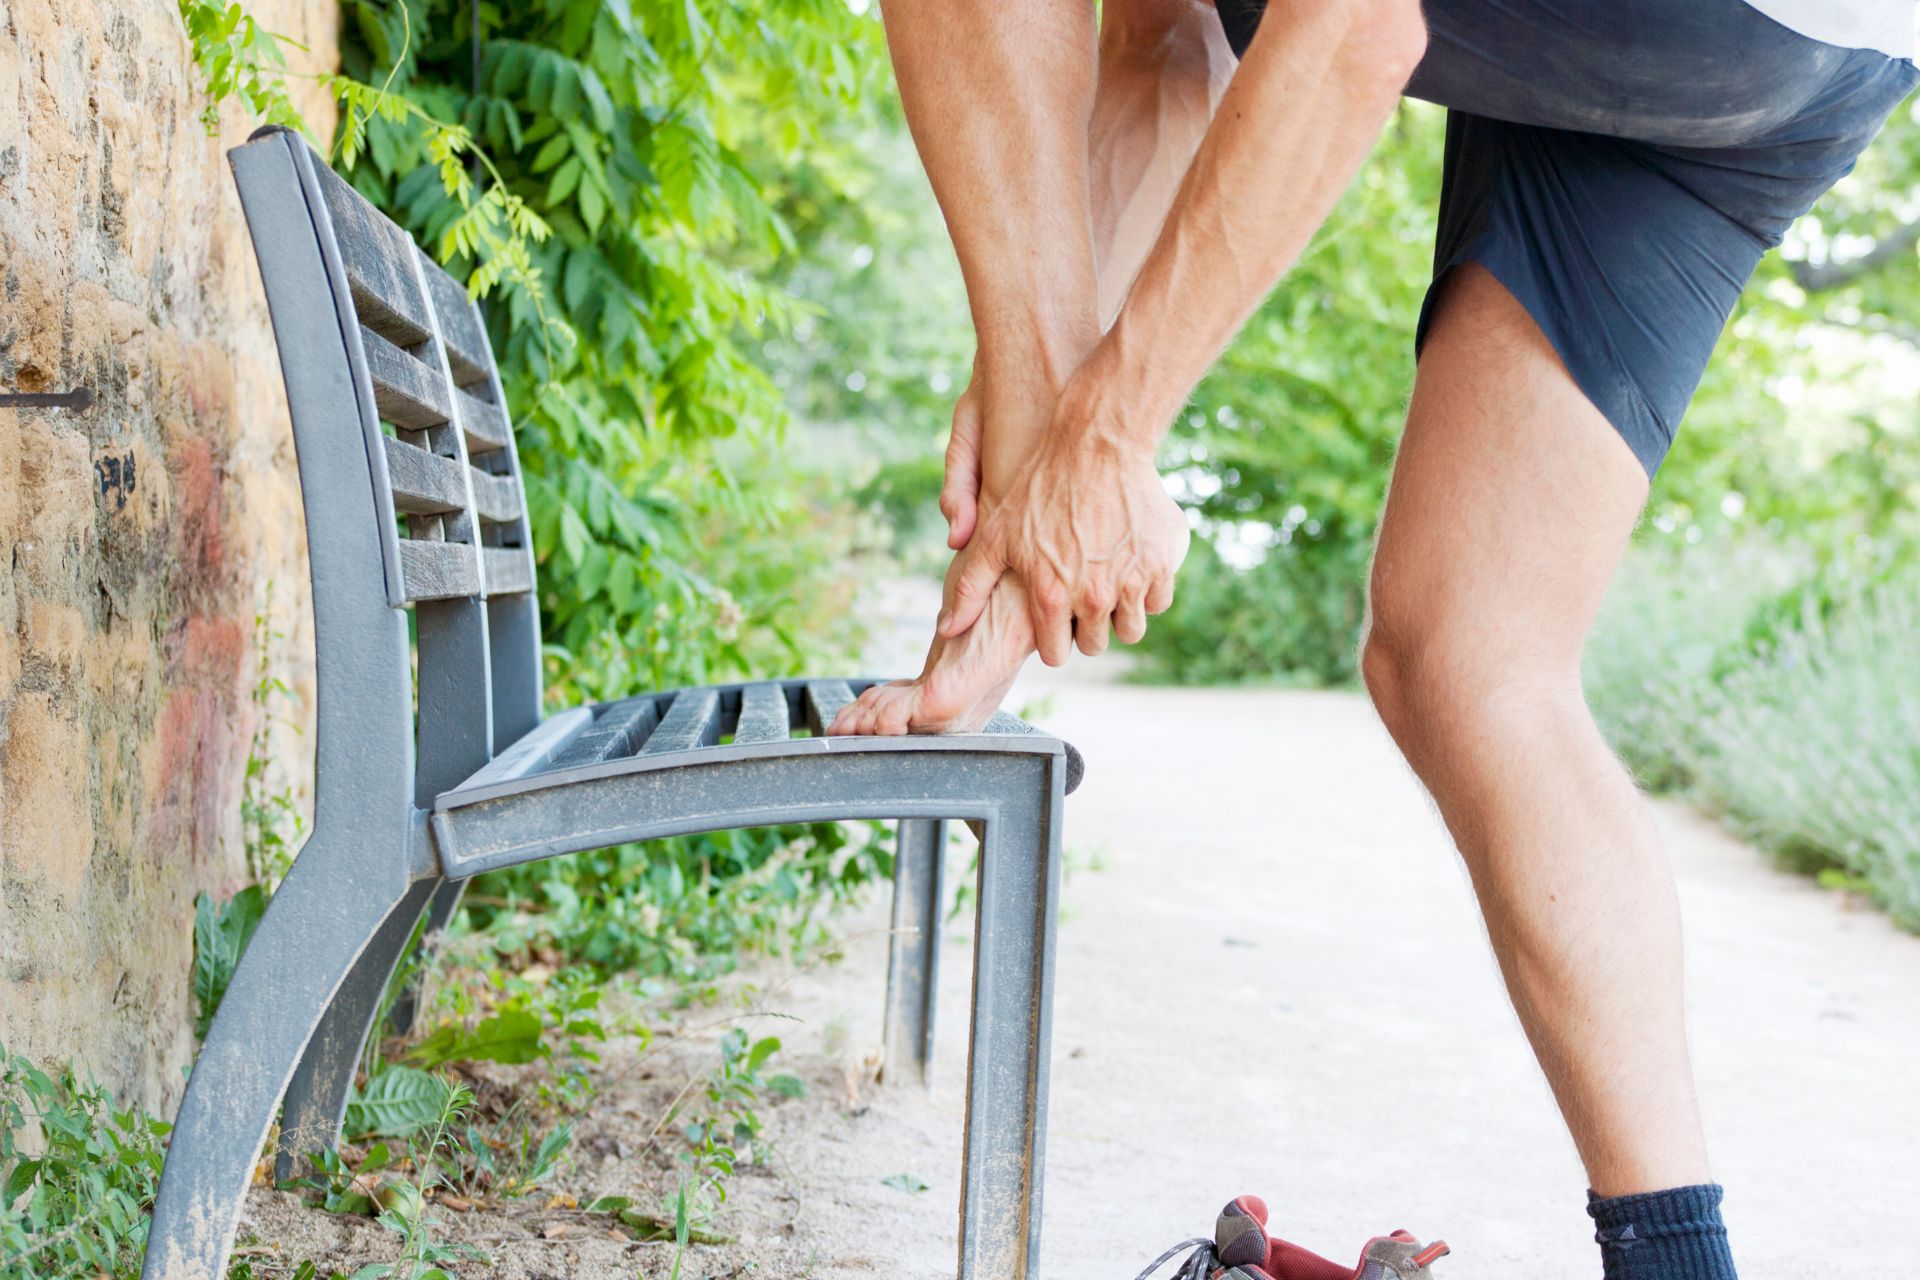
(895, 714)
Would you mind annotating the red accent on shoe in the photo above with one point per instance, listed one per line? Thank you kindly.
(1431, 1254)
(1288, 1261)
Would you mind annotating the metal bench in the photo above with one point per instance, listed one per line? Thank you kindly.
(414, 500)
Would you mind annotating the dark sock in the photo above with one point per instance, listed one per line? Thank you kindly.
(1662, 1235)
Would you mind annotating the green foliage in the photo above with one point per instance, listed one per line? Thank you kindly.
(686, 908)
(512, 1036)
(1292, 617)
(1284, 449)
(678, 545)
(622, 130)
(510, 1161)
(397, 1102)
(722, 1135)
(239, 59)
(1775, 687)
(221, 932)
(77, 1177)
(404, 1203)
(1806, 420)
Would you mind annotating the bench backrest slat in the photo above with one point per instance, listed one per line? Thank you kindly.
(449, 505)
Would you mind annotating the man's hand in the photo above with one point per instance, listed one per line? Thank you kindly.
(1092, 533)
(960, 491)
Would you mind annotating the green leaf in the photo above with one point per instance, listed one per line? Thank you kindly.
(220, 938)
(19, 1180)
(761, 1051)
(593, 206)
(511, 1036)
(397, 1103)
(550, 155)
(912, 1184)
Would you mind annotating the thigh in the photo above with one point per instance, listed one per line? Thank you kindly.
(1511, 501)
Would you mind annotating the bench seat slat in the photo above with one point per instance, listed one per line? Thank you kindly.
(460, 331)
(438, 570)
(424, 484)
(763, 714)
(408, 391)
(613, 735)
(824, 700)
(482, 421)
(692, 721)
(534, 752)
(508, 571)
(496, 499)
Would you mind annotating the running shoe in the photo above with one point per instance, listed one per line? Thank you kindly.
(1241, 1249)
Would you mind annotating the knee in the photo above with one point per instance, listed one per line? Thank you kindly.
(1445, 687)
(1402, 674)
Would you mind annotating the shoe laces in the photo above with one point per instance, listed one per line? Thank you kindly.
(1197, 1266)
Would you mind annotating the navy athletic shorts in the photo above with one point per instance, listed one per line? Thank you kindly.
(1621, 166)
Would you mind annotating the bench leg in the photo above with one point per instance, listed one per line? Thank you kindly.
(440, 909)
(316, 1102)
(1008, 1061)
(313, 933)
(913, 949)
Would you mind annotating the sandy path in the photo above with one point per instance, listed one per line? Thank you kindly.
(1273, 979)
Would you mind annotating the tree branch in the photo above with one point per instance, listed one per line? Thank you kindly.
(1819, 277)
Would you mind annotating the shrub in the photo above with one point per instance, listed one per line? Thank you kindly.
(1775, 686)
(1812, 746)
(1675, 613)
(1293, 618)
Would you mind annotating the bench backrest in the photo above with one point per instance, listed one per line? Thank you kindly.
(409, 476)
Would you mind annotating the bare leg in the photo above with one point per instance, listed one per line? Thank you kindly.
(1163, 65)
(1512, 500)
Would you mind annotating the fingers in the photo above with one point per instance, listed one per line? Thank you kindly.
(980, 568)
(1091, 618)
(960, 492)
(845, 719)
(1160, 595)
(1130, 618)
(1052, 617)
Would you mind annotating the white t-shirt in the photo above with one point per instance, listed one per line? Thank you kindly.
(1891, 26)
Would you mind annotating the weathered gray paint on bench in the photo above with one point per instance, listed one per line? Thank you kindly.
(398, 423)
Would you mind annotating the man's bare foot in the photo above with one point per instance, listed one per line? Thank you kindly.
(963, 681)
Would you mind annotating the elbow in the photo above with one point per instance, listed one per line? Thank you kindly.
(1170, 36)
(1389, 38)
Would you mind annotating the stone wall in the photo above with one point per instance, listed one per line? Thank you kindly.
(140, 538)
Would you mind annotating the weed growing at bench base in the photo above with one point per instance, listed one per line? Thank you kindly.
(77, 1177)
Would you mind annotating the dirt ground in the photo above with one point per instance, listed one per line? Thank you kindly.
(1272, 979)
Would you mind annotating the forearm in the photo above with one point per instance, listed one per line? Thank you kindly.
(1164, 65)
(1318, 83)
(998, 98)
